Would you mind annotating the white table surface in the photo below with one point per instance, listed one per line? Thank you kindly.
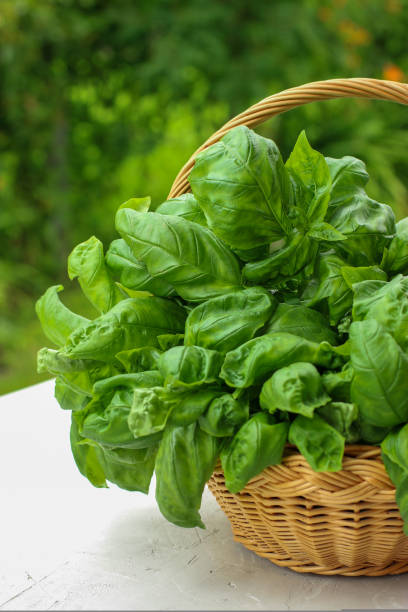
(65, 545)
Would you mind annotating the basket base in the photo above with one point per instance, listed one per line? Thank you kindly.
(392, 569)
(345, 523)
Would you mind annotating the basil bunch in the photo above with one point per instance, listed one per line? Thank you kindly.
(269, 305)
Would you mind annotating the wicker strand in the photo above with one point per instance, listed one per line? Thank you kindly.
(327, 523)
(291, 98)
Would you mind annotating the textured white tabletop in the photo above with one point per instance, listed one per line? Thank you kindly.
(67, 546)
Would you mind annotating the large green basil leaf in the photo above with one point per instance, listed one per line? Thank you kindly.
(185, 206)
(86, 457)
(333, 283)
(133, 273)
(257, 445)
(395, 258)
(296, 388)
(140, 204)
(132, 323)
(299, 252)
(254, 361)
(55, 362)
(371, 434)
(87, 263)
(243, 188)
(320, 443)
(337, 384)
(57, 321)
(83, 381)
(344, 418)
(311, 182)
(329, 287)
(353, 275)
(368, 225)
(186, 255)
(167, 341)
(225, 322)
(67, 398)
(380, 383)
(349, 176)
(106, 421)
(128, 468)
(149, 378)
(192, 405)
(139, 359)
(301, 321)
(224, 415)
(395, 457)
(395, 447)
(184, 463)
(259, 252)
(189, 366)
(150, 410)
(387, 303)
(105, 418)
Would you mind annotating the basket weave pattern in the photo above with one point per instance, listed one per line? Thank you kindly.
(344, 522)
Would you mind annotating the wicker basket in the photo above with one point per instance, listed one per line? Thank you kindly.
(345, 522)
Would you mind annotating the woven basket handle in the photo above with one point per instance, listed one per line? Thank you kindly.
(291, 98)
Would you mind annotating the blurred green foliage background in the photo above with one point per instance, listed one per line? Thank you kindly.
(101, 101)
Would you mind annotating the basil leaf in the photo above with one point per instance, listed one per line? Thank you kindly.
(296, 388)
(330, 287)
(67, 398)
(192, 405)
(150, 410)
(224, 415)
(257, 445)
(395, 457)
(55, 362)
(368, 225)
(299, 252)
(184, 463)
(386, 303)
(185, 206)
(323, 231)
(395, 259)
(357, 275)
(255, 360)
(225, 322)
(189, 366)
(167, 341)
(320, 444)
(139, 204)
(371, 434)
(344, 418)
(337, 384)
(132, 323)
(243, 188)
(139, 379)
(86, 457)
(311, 180)
(129, 469)
(349, 176)
(380, 383)
(186, 255)
(301, 321)
(133, 273)
(57, 321)
(139, 359)
(87, 263)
